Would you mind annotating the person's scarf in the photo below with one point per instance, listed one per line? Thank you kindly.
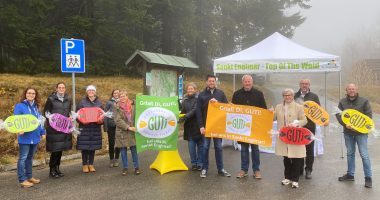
(60, 96)
(127, 109)
(114, 99)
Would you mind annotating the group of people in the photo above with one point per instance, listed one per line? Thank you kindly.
(121, 131)
(298, 159)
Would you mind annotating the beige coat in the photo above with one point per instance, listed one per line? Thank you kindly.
(295, 112)
(123, 137)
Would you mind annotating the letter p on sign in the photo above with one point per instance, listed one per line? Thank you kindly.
(69, 45)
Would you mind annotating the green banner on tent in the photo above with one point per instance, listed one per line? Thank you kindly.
(156, 123)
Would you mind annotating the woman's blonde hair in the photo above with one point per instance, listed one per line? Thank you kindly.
(192, 85)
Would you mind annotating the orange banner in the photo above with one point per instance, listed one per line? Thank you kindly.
(241, 123)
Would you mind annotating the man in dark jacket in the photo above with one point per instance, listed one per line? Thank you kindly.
(250, 96)
(210, 94)
(304, 94)
(352, 137)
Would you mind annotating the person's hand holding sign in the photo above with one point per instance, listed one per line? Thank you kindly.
(202, 130)
(213, 100)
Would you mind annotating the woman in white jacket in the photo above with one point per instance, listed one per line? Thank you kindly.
(291, 114)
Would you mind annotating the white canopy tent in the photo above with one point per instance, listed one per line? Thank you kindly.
(278, 54)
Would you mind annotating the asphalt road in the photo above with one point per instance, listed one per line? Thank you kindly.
(108, 183)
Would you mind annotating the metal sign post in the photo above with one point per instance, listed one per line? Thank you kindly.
(73, 81)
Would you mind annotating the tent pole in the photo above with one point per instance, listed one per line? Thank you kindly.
(340, 93)
(325, 128)
(234, 84)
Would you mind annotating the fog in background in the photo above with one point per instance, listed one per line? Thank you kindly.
(347, 28)
(330, 23)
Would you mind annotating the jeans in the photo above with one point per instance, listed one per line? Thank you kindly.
(25, 161)
(124, 157)
(55, 159)
(196, 151)
(88, 157)
(113, 152)
(361, 140)
(255, 154)
(218, 152)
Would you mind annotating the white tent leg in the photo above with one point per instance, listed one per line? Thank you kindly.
(234, 84)
(236, 145)
(342, 137)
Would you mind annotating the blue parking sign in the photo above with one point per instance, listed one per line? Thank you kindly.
(72, 56)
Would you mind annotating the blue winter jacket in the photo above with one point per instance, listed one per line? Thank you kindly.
(33, 137)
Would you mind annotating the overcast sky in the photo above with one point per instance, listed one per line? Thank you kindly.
(330, 22)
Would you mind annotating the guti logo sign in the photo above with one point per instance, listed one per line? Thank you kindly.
(239, 124)
(156, 123)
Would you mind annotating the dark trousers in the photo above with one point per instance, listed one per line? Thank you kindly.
(55, 159)
(114, 153)
(292, 168)
(88, 157)
(309, 160)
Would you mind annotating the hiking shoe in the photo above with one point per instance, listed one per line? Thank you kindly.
(257, 175)
(26, 184)
(223, 172)
(194, 168)
(137, 171)
(116, 163)
(91, 168)
(85, 169)
(242, 174)
(286, 182)
(203, 173)
(125, 172)
(34, 180)
(295, 185)
(368, 182)
(346, 177)
(308, 174)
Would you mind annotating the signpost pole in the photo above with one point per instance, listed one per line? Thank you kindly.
(73, 79)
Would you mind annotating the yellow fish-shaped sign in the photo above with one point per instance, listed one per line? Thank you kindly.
(359, 121)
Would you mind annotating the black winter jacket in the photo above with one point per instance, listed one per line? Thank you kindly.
(90, 137)
(252, 97)
(109, 122)
(55, 140)
(202, 103)
(360, 104)
(191, 128)
(310, 96)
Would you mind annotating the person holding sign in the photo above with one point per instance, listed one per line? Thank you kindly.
(210, 94)
(125, 131)
(56, 141)
(304, 94)
(191, 129)
(250, 96)
(28, 141)
(110, 128)
(351, 137)
(290, 114)
(90, 138)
